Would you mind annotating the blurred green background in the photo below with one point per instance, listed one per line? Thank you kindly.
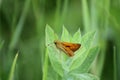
(22, 29)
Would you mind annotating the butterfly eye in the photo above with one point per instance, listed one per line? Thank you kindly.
(55, 42)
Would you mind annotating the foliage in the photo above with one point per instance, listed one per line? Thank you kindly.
(78, 65)
(23, 28)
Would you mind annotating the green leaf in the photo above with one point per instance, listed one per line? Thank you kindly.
(87, 39)
(11, 75)
(45, 68)
(86, 18)
(65, 35)
(81, 55)
(88, 61)
(55, 61)
(77, 37)
(52, 51)
(78, 59)
(52, 74)
(67, 38)
(50, 36)
(16, 35)
(84, 76)
(1, 44)
(82, 59)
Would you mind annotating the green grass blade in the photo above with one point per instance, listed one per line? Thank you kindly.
(115, 64)
(11, 75)
(17, 33)
(86, 17)
(45, 68)
(64, 10)
(1, 44)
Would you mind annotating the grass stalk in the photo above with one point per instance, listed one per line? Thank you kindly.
(11, 75)
(115, 64)
(45, 67)
(17, 33)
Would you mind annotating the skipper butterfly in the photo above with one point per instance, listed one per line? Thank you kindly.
(66, 47)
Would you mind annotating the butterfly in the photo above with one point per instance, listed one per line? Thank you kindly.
(67, 47)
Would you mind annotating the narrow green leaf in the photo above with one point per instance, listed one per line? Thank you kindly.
(55, 61)
(86, 16)
(87, 39)
(77, 37)
(67, 38)
(52, 75)
(88, 61)
(11, 75)
(65, 35)
(45, 68)
(83, 76)
(50, 36)
(78, 59)
(115, 63)
(20, 25)
(52, 52)
(1, 44)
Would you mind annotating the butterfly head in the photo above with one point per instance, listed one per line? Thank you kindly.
(56, 42)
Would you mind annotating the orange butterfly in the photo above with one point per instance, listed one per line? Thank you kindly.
(68, 48)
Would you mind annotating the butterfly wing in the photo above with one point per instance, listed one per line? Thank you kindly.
(71, 46)
(68, 51)
(68, 48)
